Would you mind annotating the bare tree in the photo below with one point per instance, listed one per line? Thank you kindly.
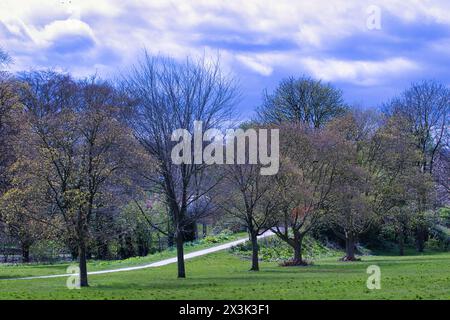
(170, 96)
(426, 106)
(5, 58)
(303, 100)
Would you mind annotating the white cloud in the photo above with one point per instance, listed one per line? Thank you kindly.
(59, 29)
(358, 72)
(181, 27)
(255, 65)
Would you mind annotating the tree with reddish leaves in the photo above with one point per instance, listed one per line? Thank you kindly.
(310, 161)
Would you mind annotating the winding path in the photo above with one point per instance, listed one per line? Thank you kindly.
(154, 264)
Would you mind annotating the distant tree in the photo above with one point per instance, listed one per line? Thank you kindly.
(5, 58)
(9, 102)
(302, 100)
(23, 212)
(441, 175)
(169, 96)
(426, 107)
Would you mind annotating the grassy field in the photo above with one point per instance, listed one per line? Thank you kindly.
(224, 276)
(27, 270)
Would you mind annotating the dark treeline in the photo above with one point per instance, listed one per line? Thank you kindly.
(86, 167)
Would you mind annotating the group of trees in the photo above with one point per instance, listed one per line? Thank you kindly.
(89, 162)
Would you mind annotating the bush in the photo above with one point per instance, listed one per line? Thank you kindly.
(48, 251)
(274, 249)
(433, 244)
(224, 235)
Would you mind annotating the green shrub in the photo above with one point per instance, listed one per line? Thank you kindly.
(274, 249)
(224, 235)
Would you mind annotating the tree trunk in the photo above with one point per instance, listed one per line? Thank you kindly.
(180, 255)
(349, 248)
(420, 239)
(25, 252)
(143, 248)
(196, 231)
(401, 244)
(83, 264)
(102, 250)
(297, 245)
(204, 229)
(255, 250)
(170, 240)
(73, 247)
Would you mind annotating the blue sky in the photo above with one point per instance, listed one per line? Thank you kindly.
(371, 50)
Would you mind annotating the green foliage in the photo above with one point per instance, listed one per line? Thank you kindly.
(223, 236)
(433, 244)
(444, 214)
(47, 250)
(274, 249)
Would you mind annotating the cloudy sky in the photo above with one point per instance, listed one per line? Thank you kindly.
(369, 49)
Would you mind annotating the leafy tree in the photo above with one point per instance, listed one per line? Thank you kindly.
(425, 106)
(352, 196)
(311, 159)
(397, 180)
(9, 103)
(76, 144)
(22, 211)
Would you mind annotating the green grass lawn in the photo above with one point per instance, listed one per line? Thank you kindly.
(224, 276)
(28, 270)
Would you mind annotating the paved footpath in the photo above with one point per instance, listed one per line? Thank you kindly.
(154, 264)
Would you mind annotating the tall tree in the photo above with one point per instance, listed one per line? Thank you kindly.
(399, 185)
(8, 104)
(352, 197)
(170, 96)
(79, 148)
(426, 107)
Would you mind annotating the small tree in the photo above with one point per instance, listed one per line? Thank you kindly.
(248, 196)
(23, 211)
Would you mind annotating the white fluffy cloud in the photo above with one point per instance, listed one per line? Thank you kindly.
(118, 30)
(358, 72)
